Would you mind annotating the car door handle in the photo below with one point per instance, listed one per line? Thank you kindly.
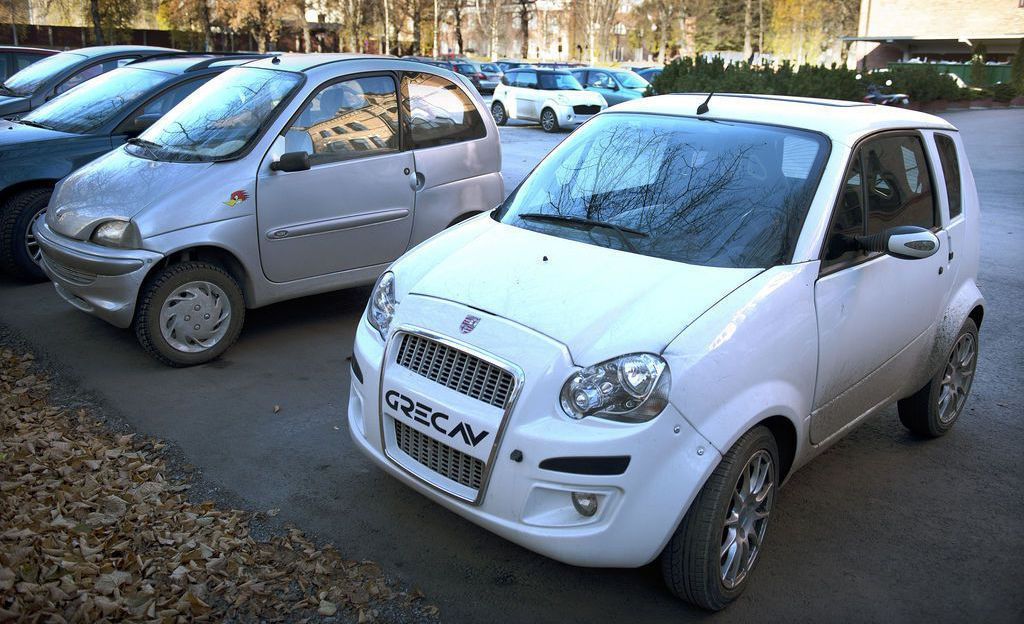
(416, 181)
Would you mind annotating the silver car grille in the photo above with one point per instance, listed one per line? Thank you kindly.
(72, 276)
(439, 457)
(456, 370)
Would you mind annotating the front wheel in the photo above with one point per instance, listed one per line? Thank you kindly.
(548, 120)
(499, 114)
(189, 313)
(710, 557)
(19, 251)
(934, 409)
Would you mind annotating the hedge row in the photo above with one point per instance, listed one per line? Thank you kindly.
(923, 84)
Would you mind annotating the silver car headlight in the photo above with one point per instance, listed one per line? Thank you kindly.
(629, 388)
(382, 304)
(116, 233)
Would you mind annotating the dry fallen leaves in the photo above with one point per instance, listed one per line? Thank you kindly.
(90, 530)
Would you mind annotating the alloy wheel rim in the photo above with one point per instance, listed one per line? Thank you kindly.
(31, 244)
(548, 121)
(195, 317)
(746, 520)
(498, 113)
(957, 378)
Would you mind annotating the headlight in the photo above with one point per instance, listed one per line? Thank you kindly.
(629, 388)
(122, 234)
(382, 304)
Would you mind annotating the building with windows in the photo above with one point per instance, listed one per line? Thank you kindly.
(935, 30)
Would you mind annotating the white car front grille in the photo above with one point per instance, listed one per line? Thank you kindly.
(441, 458)
(456, 370)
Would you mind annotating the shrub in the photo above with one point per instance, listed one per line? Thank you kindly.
(924, 83)
(978, 78)
(1003, 92)
(1017, 68)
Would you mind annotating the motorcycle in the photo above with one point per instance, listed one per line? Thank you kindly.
(875, 96)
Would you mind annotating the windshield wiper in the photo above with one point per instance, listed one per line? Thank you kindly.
(34, 124)
(150, 146)
(5, 90)
(619, 230)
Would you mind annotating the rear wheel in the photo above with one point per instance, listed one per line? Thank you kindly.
(19, 250)
(934, 409)
(709, 560)
(548, 120)
(189, 313)
(499, 114)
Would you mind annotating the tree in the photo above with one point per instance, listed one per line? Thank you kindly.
(801, 30)
(1017, 69)
(456, 7)
(111, 19)
(524, 10)
(978, 73)
(260, 18)
(488, 15)
(188, 15)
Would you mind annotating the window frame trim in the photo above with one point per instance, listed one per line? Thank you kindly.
(395, 78)
(959, 174)
(856, 153)
(406, 128)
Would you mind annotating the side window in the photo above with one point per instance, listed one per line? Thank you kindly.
(21, 61)
(581, 76)
(509, 79)
(6, 65)
(848, 220)
(354, 118)
(601, 80)
(950, 173)
(169, 99)
(89, 73)
(897, 184)
(527, 79)
(439, 112)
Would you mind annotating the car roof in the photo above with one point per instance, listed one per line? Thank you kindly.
(97, 51)
(180, 64)
(5, 48)
(843, 121)
(305, 62)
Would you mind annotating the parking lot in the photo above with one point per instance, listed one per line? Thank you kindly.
(882, 527)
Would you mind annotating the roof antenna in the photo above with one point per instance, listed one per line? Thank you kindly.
(703, 108)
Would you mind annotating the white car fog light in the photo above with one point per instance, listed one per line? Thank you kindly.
(585, 503)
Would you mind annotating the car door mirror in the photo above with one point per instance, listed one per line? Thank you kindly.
(291, 161)
(907, 242)
(141, 123)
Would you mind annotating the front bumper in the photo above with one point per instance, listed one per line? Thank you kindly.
(568, 117)
(102, 281)
(639, 506)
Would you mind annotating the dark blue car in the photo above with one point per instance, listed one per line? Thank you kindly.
(44, 80)
(47, 144)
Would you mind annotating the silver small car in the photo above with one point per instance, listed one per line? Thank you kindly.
(278, 179)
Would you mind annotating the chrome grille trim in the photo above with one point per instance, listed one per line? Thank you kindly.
(446, 461)
(455, 369)
(518, 379)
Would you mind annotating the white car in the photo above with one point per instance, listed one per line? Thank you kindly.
(667, 318)
(551, 96)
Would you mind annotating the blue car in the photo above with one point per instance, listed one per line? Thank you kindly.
(616, 85)
(62, 135)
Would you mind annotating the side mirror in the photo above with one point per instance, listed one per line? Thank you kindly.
(908, 242)
(142, 123)
(291, 161)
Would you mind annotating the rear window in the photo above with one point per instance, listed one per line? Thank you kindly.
(721, 194)
(439, 112)
(950, 173)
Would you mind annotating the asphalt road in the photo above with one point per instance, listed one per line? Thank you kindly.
(880, 528)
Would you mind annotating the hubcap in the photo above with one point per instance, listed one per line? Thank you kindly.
(747, 518)
(31, 244)
(956, 380)
(195, 317)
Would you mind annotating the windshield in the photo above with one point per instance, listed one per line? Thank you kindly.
(631, 80)
(90, 105)
(28, 80)
(558, 82)
(219, 119)
(720, 194)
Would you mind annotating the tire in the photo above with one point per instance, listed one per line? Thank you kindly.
(549, 121)
(18, 252)
(692, 563)
(499, 113)
(173, 287)
(934, 409)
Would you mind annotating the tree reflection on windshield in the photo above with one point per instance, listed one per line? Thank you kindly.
(219, 119)
(708, 193)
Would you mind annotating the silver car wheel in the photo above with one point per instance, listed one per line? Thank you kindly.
(956, 380)
(195, 317)
(746, 520)
(31, 244)
(498, 112)
(547, 120)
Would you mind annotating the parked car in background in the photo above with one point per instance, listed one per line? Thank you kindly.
(46, 79)
(552, 97)
(667, 318)
(13, 59)
(649, 73)
(507, 64)
(615, 85)
(284, 177)
(492, 77)
(65, 133)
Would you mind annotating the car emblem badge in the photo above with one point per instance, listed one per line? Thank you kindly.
(469, 323)
(237, 197)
